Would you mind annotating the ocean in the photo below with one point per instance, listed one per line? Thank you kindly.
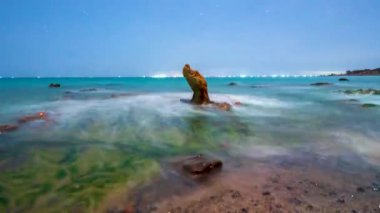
(104, 137)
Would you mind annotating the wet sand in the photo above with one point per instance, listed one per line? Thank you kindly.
(246, 185)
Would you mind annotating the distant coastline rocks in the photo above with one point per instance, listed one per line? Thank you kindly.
(318, 84)
(54, 85)
(198, 85)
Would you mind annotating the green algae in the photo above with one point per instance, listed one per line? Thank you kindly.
(85, 179)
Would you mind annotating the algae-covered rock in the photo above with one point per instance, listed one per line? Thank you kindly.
(362, 92)
(369, 105)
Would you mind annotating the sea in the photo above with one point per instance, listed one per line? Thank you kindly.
(101, 136)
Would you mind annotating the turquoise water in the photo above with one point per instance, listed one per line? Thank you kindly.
(103, 134)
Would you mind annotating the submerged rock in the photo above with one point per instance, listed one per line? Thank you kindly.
(54, 85)
(362, 92)
(198, 84)
(7, 128)
(321, 84)
(223, 106)
(232, 84)
(200, 165)
(369, 105)
(343, 79)
(29, 118)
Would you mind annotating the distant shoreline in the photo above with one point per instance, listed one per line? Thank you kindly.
(363, 72)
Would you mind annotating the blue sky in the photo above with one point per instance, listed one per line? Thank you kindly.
(146, 37)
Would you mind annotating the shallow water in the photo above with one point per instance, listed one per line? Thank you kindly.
(106, 135)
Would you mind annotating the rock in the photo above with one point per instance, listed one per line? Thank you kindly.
(198, 84)
(369, 105)
(360, 189)
(343, 79)
(321, 84)
(200, 164)
(223, 106)
(362, 92)
(340, 200)
(266, 193)
(7, 128)
(238, 103)
(54, 85)
(232, 84)
(29, 118)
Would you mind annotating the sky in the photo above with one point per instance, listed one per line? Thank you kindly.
(157, 37)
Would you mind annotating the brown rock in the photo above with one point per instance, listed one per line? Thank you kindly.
(198, 84)
(7, 128)
(200, 164)
(29, 118)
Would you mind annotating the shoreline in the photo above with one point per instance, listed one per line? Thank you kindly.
(247, 185)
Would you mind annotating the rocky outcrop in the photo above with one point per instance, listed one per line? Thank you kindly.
(321, 84)
(29, 118)
(54, 85)
(201, 165)
(198, 85)
(7, 128)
